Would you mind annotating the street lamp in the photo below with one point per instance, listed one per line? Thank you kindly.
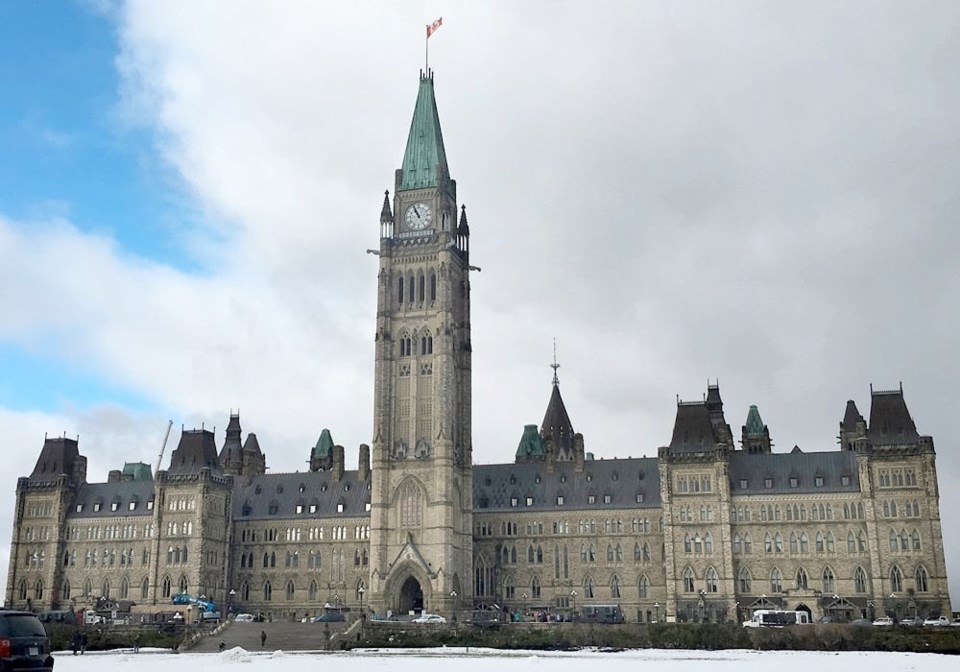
(573, 601)
(656, 605)
(232, 594)
(524, 597)
(360, 592)
(453, 596)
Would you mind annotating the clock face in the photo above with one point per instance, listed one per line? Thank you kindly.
(419, 215)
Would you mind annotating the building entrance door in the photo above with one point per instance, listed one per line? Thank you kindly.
(411, 596)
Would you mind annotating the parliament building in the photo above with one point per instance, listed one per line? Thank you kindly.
(714, 527)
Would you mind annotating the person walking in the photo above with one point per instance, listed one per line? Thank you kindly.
(263, 638)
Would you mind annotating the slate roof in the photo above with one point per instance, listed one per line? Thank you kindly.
(494, 485)
(425, 151)
(58, 456)
(556, 423)
(275, 496)
(531, 446)
(121, 492)
(754, 426)
(324, 447)
(139, 471)
(890, 421)
(197, 449)
(781, 467)
(692, 429)
(851, 416)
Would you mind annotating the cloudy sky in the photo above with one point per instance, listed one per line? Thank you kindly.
(745, 192)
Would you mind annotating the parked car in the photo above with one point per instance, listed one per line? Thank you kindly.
(24, 643)
(329, 617)
(243, 618)
(886, 620)
(429, 618)
(910, 620)
(861, 621)
(937, 622)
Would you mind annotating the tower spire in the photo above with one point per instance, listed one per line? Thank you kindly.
(555, 365)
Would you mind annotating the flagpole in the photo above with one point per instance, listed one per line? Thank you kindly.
(426, 43)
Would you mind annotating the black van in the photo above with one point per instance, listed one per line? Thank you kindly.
(24, 644)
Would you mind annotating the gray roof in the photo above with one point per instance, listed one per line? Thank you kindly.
(781, 467)
(121, 492)
(693, 430)
(197, 449)
(281, 493)
(58, 456)
(495, 485)
(890, 421)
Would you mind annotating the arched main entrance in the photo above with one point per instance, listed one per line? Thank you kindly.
(803, 607)
(411, 596)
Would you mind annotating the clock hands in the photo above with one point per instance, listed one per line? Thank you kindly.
(416, 212)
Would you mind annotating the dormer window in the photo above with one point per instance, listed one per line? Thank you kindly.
(794, 482)
(299, 508)
(559, 500)
(743, 484)
(97, 506)
(639, 498)
(339, 507)
(114, 505)
(79, 508)
(844, 480)
(607, 499)
(768, 483)
(514, 501)
(366, 507)
(529, 501)
(818, 481)
(591, 499)
(149, 505)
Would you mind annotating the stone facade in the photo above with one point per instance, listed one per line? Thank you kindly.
(706, 530)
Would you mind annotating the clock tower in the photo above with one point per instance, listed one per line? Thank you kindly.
(422, 486)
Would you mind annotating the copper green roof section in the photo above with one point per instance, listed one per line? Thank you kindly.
(424, 151)
(531, 446)
(324, 447)
(139, 471)
(754, 426)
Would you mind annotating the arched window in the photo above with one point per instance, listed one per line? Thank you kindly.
(539, 555)
(737, 544)
(828, 580)
(433, 286)
(535, 587)
(851, 543)
(513, 554)
(794, 543)
(746, 581)
(896, 579)
(588, 587)
(267, 591)
(712, 580)
(821, 544)
(411, 289)
(767, 543)
(410, 498)
(688, 580)
(291, 590)
(776, 581)
(124, 588)
(646, 552)
(708, 544)
(804, 543)
(801, 579)
(609, 552)
(915, 540)
(637, 553)
(38, 590)
(313, 591)
(422, 287)
(183, 585)
(644, 587)
(860, 580)
(400, 289)
(509, 590)
(830, 542)
(245, 591)
(65, 590)
(894, 544)
(615, 587)
(920, 579)
(145, 589)
(687, 544)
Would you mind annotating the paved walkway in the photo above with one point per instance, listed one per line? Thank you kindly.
(283, 636)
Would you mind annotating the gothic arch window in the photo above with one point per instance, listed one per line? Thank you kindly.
(802, 581)
(513, 555)
(615, 587)
(830, 542)
(894, 544)
(124, 588)
(896, 579)
(860, 580)
(915, 540)
(904, 540)
(687, 543)
(145, 589)
(588, 587)
(433, 286)
(105, 589)
(644, 587)
(506, 556)
(794, 543)
(422, 287)
(165, 587)
(851, 543)
(313, 591)
(400, 290)
(291, 590)
(38, 590)
(609, 552)
(535, 590)
(267, 591)
(804, 542)
(412, 288)
(708, 543)
(426, 344)
(776, 581)
(920, 579)
(245, 591)
(539, 555)
(273, 559)
(778, 543)
(737, 544)
(22, 590)
(689, 579)
(410, 505)
(509, 589)
(183, 585)
(821, 545)
(747, 544)
(829, 581)
(767, 543)
(712, 580)
(359, 589)
(65, 590)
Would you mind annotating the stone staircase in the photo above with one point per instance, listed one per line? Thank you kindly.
(281, 636)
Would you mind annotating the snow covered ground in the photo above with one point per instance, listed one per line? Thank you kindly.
(480, 660)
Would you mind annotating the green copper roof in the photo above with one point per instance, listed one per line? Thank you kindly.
(324, 447)
(425, 143)
(139, 471)
(754, 423)
(530, 443)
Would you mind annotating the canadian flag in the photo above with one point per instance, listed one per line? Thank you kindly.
(432, 28)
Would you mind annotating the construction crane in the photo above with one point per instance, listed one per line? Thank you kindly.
(162, 448)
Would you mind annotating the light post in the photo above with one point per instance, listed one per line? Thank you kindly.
(456, 626)
(736, 611)
(524, 597)
(360, 592)
(573, 604)
(336, 601)
(231, 595)
(656, 605)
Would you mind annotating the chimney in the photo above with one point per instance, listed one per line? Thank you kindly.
(363, 469)
(578, 455)
(337, 463)
(113, 476)
(80, 470)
